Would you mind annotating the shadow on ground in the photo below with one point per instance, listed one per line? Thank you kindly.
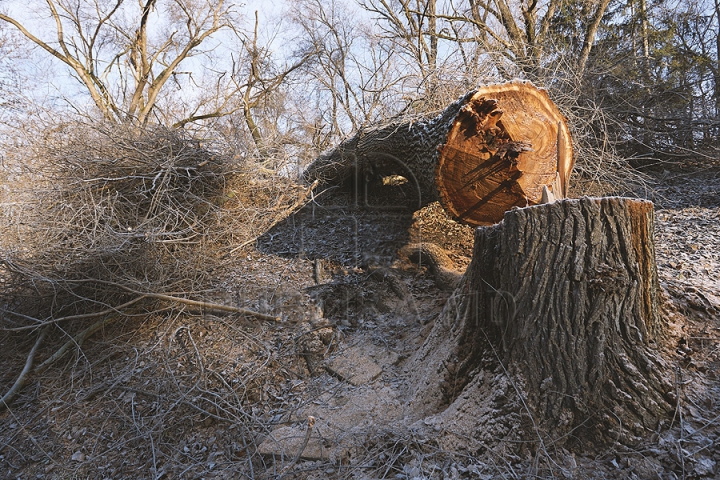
(354, 229)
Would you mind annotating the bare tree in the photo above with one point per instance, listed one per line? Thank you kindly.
(525, 31)
(11, 78)
(412, 26)
(257, 79)
(351, 70)
(124, 54)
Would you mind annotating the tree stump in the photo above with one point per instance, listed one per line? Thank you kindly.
(497, 147)
(564, 297)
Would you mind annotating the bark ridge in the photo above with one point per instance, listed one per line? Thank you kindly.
(497, 147)
(565, 297)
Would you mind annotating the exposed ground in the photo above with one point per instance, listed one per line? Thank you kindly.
(323, 393)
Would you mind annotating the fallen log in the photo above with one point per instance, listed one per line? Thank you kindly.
(497, 147)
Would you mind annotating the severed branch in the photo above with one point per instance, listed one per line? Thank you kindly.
(77, 340)
(158, 296)
(197, 303)
(212, 306)
(25, 374)
(207, 306)
(72, 317)
(23, 377)
(82, 336)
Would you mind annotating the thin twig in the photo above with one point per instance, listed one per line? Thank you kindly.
(695, 432)
(208, 306)
(212, 306)
(678, 412)
(163, 396)
(308, 432)
(279, 219)
(23, 377)
(77, 340)
(195, 303)
(74, 317)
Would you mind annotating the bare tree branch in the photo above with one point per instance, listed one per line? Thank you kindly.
(88, 36)
(23, 377)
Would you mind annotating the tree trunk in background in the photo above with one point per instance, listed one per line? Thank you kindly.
(565, 297)
(498, 147)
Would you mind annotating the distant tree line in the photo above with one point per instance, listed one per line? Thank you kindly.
(643, 75)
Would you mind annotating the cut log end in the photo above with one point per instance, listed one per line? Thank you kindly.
(506, 145)
(493, 149)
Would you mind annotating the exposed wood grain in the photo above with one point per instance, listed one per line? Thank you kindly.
(493, 149)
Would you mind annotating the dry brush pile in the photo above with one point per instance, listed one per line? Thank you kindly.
(102, 222)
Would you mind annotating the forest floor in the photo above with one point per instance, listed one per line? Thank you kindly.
(323, 392)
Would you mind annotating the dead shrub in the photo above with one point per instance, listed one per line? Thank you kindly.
(111, 220)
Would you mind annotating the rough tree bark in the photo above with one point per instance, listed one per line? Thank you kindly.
(497, 147)
(563, 297)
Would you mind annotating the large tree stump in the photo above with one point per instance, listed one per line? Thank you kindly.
(497, 147)
(564, 296)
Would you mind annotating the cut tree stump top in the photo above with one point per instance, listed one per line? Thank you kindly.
(505, 146)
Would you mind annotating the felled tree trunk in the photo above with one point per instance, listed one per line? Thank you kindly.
(498, 147)
(564, 296)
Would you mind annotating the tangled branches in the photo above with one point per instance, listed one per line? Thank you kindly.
(114, 221)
